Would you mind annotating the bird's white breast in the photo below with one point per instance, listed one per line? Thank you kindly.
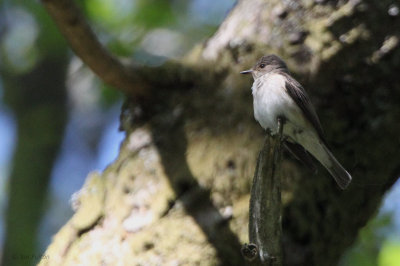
(271, 100)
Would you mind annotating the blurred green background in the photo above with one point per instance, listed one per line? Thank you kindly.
(58, 121)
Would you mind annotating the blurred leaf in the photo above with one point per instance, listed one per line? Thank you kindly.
(108, 95)
(50, 40)
(110, 14)
(154, 13)
(390, 254)
(18, 42)
(366, 249)
(120, 48)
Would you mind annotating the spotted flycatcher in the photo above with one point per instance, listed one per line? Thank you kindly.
(277, 95)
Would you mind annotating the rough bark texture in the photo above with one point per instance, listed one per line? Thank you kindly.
(265, 217)
(178, 193)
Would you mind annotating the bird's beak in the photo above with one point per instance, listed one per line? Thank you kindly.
(247, 71)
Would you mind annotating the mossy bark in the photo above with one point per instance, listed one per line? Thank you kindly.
(178, 192)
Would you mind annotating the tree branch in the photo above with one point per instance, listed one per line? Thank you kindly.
(85, 44)
(265, 216)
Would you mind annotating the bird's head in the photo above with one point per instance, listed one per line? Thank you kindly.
(265, 65)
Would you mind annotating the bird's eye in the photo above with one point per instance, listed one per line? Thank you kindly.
(262, 65)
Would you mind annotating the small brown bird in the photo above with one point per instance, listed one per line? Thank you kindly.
(276, 94)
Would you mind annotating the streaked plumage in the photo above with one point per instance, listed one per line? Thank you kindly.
(277, 94)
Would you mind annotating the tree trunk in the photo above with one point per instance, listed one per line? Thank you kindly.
(38, 99)
(179, 191)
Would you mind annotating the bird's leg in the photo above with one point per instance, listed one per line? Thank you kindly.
(280, 138)
(281, 122)
(268, 131)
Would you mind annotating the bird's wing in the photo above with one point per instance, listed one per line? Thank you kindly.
(299, 95)
(301, 154)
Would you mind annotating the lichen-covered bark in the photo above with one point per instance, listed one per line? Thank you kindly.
(178, 192)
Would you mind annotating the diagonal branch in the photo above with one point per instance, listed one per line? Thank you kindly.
(85, 44)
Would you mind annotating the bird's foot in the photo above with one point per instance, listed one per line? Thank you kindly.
(281, 122)
(268, 131)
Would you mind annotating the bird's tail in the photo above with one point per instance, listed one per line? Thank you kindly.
(318, 149)
(341, 176)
